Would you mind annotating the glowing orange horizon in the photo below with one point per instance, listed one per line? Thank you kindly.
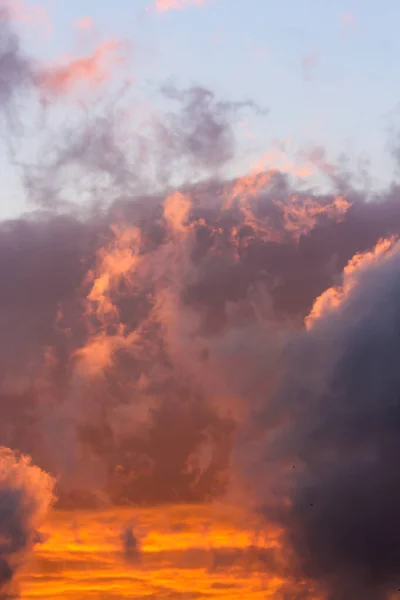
(183, 550)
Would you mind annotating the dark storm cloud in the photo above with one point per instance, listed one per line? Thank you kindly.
(336, 449)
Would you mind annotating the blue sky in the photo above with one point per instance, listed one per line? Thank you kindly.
(257, 49)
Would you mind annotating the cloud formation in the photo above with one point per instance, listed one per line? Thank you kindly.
(331, 441)
(179, 332)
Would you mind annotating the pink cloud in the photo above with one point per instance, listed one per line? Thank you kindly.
(347, 19)
(167, 5)
(19, 11)
(91, 71)
(84, 23)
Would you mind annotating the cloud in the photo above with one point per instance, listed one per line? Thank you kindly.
(90, 71)
(162, 6)
(332, 449)
(203, 128)
(85, 23)
(130, 545)
(21, 12)
(169, 560)
(26, 494)
(16, 70)
(172, 304)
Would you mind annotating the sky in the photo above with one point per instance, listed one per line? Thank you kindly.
(200, 300)
(325, 72)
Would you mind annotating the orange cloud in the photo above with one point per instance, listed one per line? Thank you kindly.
(300, 215)
(91, 71)
(116, 263)
(167, 5)
(176, 211)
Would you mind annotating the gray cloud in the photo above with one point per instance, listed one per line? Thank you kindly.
(337, 423)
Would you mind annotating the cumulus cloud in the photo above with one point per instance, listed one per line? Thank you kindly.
(331, 445)
(26, 494)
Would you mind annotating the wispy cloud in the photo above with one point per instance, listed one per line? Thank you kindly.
(91, 71)
(162, 6)
(84, 23)
(28, 14)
